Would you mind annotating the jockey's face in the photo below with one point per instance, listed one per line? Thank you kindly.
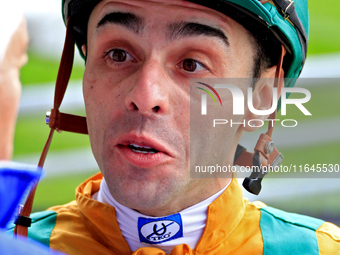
(140, 58)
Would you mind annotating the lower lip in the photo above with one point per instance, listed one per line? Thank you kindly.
(144, 160)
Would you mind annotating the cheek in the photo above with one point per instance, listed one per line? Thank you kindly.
(180, 111)
(90, 91)
(101, 96)
(211, 144)
(94, 106)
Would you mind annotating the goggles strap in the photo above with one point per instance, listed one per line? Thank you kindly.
(265, 154)
(288, 11)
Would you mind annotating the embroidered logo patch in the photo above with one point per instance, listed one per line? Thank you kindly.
(160, 230)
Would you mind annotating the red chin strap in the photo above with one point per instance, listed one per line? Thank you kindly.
(265, 153)
(57, 121)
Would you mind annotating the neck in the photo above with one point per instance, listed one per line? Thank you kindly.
(187, 198)
(191, 222)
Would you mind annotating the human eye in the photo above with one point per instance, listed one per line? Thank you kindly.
(119, 56)
(191, 65)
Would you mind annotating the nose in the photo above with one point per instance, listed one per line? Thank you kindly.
(150, 93)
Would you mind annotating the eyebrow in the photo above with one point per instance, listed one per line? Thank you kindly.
(175, 30)
(127, 20)
(189, 29)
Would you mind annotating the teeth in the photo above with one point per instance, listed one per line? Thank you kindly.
(137, 146)
(145, 152)
(142, 149)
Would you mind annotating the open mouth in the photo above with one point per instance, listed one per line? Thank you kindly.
(142, 149)
(142, 152)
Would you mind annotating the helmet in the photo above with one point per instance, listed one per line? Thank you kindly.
(284, 20)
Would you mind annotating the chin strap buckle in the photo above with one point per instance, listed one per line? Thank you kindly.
(265, 158)
(253, 183)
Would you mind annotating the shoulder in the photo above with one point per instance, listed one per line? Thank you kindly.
(44, 223)
(328, 236)
(40, 231)
(284, 233)
(42, 226)
(47, 220)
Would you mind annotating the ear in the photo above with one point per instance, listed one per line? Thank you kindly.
(83, 49)
(262, 98)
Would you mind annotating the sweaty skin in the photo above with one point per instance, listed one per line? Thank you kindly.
(137, 92)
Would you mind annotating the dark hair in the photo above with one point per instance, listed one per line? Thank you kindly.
(267, 50)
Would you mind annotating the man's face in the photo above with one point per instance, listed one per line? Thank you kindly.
(140, 58)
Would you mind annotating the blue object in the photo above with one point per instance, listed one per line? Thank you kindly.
(15, 179)
(18, 246)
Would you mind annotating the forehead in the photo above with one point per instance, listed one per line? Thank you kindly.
(164, 11)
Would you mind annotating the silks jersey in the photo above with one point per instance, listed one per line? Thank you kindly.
(233, 226)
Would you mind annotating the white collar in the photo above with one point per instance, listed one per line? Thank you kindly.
(193, 221)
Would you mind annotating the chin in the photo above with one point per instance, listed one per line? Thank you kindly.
(143, 195)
